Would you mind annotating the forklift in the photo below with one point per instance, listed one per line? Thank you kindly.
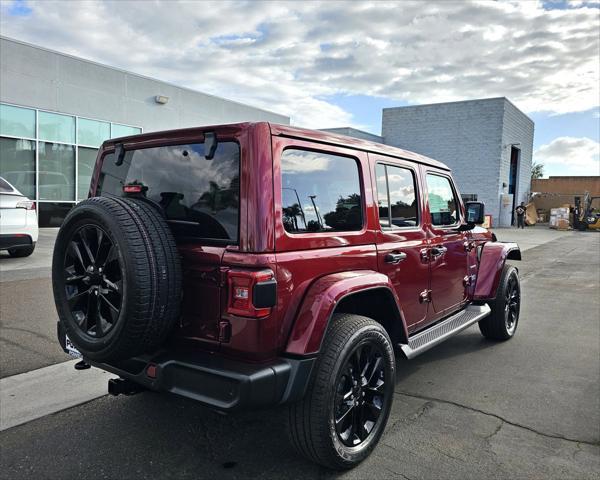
(585, 215)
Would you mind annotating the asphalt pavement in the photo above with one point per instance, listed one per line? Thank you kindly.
(470, 408)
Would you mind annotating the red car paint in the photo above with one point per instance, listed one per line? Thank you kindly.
(316, 271)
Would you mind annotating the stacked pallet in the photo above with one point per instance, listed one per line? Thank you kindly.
(559, 218)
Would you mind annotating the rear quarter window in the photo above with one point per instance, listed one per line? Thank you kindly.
(320, 192)
(200, 197)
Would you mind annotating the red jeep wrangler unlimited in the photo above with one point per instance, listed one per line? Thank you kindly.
(253, 264)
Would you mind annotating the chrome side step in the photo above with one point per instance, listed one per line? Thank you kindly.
(426, 339)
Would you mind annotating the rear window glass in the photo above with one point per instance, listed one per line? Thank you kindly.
(5, 187)
(320, 192)
(200, 197)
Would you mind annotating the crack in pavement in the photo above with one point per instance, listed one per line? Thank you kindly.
(414, 416)
(514, 424)
(495, 432)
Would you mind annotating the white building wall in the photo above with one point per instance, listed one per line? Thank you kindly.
(35, 77)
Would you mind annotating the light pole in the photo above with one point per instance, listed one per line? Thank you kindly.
(312, 199)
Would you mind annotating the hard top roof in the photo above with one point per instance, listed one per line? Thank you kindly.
(285, 131)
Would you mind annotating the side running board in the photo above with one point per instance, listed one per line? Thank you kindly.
(445, 329)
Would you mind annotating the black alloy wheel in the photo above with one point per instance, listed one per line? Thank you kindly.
(116, 277)
(93, 281)
(503, 320)
(343, 413)
(512, 304)
(360, 394)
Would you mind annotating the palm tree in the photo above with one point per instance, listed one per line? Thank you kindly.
(537, 170)
(291, 214)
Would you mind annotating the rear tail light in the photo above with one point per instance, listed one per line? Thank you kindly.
(251, 293)
(26, 204)
(133, 188)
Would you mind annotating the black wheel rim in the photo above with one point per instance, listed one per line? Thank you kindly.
(360, 394)
(93, 281)
(511, 305)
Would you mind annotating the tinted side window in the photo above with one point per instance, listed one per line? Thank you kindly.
(442, 203)
(320, 192)
(199, 197)
(397, 198)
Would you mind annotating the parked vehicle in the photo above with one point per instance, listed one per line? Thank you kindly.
(18, 221)
(254, 264)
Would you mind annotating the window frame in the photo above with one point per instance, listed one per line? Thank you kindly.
(360, 185)
(415, 177)
(457, 200)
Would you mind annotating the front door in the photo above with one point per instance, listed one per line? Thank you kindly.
(447, 248)
(402, 241)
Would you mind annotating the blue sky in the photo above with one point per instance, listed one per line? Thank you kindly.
(332, 64)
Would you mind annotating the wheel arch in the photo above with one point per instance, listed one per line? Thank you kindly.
(366, 293)
(492, 259)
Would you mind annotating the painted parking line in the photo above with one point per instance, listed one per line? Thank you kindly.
(47, 390)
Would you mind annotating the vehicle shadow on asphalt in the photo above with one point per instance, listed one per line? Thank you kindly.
(457, 346)
(165, 436)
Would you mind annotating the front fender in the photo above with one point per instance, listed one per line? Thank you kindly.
(320, 302)
(491, 262)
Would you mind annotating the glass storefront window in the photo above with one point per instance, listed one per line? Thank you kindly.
(50, 157)
(118, 130)
(92, 132)
(17, 164)
(54, 127)
(17, 121)
(56, 171)
(86, 161)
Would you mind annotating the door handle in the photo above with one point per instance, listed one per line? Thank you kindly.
(438, 251)
(395, 257)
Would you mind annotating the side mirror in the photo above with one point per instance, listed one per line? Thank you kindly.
(475, 212)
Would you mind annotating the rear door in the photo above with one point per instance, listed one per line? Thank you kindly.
(200, 199)
(447, 247)
(402, 243)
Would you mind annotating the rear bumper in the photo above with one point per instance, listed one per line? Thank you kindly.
(11, 240)
(215, 381)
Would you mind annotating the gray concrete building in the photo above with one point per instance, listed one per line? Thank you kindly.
(56, 109)
(487, 143)
(354, 132)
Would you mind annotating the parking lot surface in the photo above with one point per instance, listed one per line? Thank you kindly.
(469, 408)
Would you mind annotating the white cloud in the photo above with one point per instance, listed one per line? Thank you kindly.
(570, 156)
(289, 57)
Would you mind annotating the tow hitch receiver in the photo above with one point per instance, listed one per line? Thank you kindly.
(118, 386)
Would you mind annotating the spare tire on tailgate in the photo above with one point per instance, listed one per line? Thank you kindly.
(116, 276)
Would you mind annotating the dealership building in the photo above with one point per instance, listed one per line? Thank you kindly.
(56, 110)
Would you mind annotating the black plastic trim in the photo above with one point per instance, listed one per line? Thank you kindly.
(13, 241)
(264, 294)
(213, 380)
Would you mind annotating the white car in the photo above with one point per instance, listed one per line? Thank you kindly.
(18, 221)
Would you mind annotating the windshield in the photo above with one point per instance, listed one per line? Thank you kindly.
(200, 197)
